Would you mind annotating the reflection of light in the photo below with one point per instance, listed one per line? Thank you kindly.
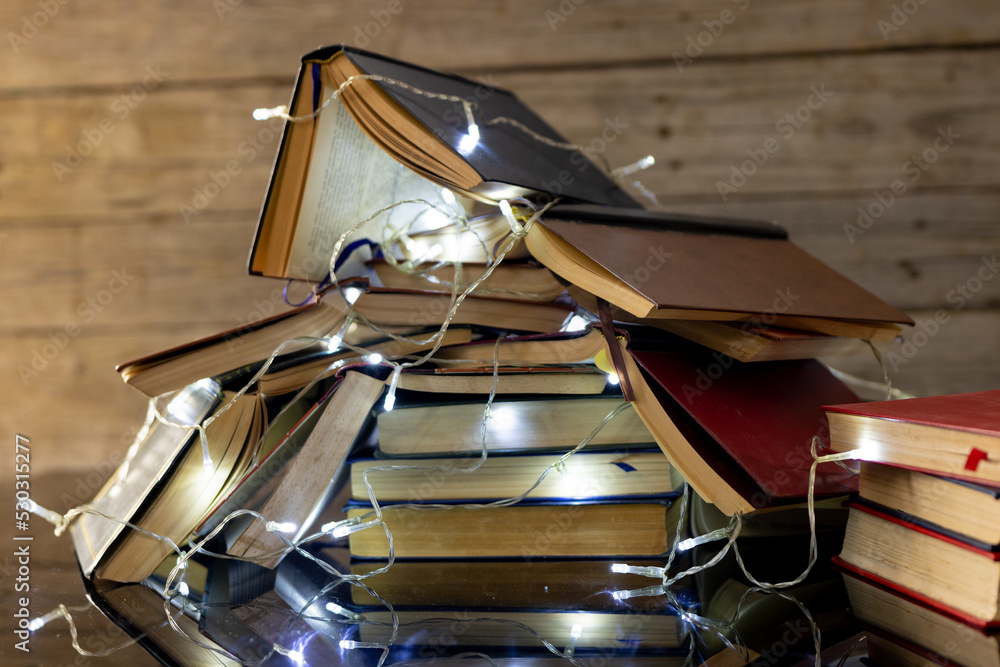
(375, 358)
(576, 323)
(503, 416)
(296, 656)
(352, 294)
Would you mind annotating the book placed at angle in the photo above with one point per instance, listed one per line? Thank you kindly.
(739, 433)
(381, 142)
(746, 341)
(913, 632)
(578, 379)
(942, 503)
(519, 280)
(938, 569)
(547, 348)
(300, 492)
(584, 476)
(479, 240)
(425, 425)
(129, 488)
(298, 372)
(681, 267)
(957, 435)
(525, 530)
(244, 349)
(219, 353)
(187, 492)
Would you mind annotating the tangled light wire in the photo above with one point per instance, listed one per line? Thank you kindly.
(174, 589)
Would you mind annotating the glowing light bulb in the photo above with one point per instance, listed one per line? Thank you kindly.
(183, 588)
(280, 526)
(448, 196)
(375, 358)
(613, 379)
(333, 344)
(576, 631)
(575, 323)
(390, 402)
(352, 294)
(265, 113)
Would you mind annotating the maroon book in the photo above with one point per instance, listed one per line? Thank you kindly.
(752, 424)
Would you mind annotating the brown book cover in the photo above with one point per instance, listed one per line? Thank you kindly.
(688, 268)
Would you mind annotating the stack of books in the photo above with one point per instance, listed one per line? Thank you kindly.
(921, 556)
(417, 185)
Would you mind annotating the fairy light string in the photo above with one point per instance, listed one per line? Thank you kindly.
(520, 216)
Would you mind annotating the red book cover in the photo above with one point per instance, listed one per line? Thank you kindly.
(977, 412)
(913, 596)
(762, 417)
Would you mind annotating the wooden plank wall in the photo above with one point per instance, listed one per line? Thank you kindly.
(116, 113)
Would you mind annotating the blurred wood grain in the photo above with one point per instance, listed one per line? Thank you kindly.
(158, 96)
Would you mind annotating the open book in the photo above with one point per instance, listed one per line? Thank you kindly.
(400, 132)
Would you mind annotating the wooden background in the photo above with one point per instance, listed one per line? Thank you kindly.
(72, 78)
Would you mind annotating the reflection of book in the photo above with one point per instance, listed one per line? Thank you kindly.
(910, 629)
(938, 569)
(524, 530)
(140, 612)
(711, 270)
(740, 434)
(299, 493)
(424, 425)
(952, 505)
(584, 476)
(381, 142)
(956, 435)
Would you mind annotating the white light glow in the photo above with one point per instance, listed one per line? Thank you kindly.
(183, 588)
(390, 402)
(375, 358)
(576, 631)
(575, 323)
(613, 379)
(35, 624)
(296, 656)
(333, 344)
(468, 142)
(620, 568)
(281, 526)
(687, 544)
(352, 294)
(448, 196)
